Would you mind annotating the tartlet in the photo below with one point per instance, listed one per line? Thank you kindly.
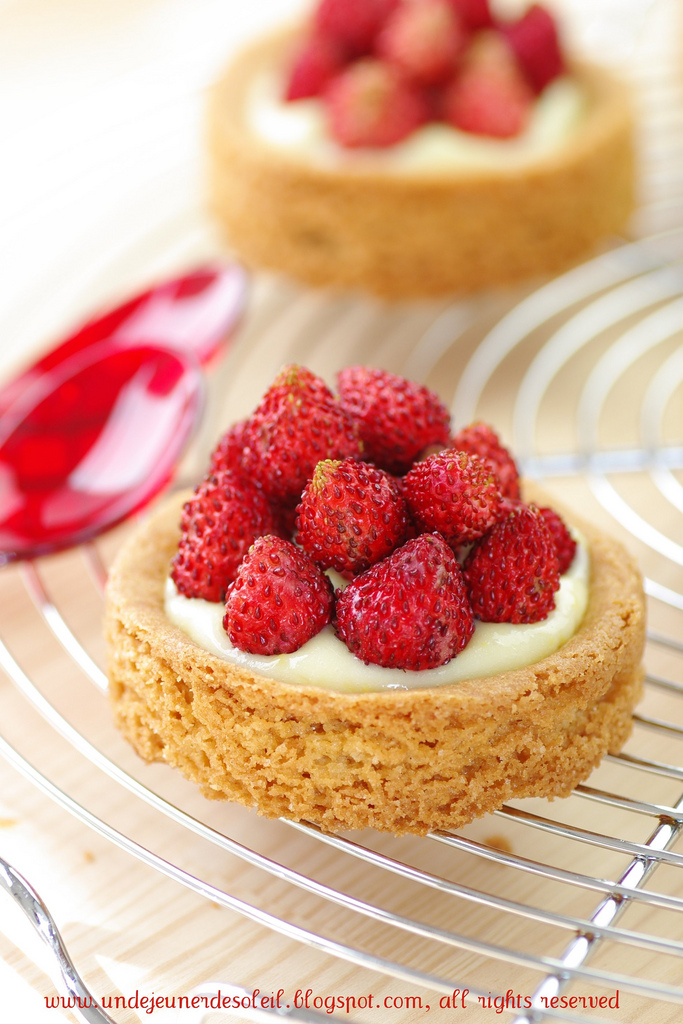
(357, 225)
(398, 761)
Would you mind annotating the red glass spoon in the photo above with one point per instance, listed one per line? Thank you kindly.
(90, 442)
(94, 430)
(196, 313)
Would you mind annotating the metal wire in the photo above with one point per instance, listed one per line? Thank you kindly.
(586, 319)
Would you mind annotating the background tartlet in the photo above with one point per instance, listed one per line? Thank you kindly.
(398, 235)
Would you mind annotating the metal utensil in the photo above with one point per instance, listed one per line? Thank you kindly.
(86, 1008)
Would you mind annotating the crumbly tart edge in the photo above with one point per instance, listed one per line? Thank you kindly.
(398, 761)
(416, 235)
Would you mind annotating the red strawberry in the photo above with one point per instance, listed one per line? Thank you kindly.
(218, 525)
(398, 419)
(474, 14)
(301, 379)
(297, 424)
(424, 40)
(565, 545)
(534, 39)
(370, 104)
(353, 23)
(454, 493)
(489, 96)
(412, 530)
(479, 439)
(433, 449)
(228, 452)
(286, 515)
(279, 600)
(511, 573)
(409, 611)
(351, 515)
(316, 63)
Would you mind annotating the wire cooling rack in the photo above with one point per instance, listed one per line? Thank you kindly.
(573, 906)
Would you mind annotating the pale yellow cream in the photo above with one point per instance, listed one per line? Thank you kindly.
(326, 662)
(299, 129)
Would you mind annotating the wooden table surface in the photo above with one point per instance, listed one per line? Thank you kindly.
(103, 194)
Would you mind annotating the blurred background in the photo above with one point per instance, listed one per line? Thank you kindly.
(101, 124)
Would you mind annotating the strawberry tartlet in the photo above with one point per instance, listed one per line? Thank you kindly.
(418, 147)
(349, 630)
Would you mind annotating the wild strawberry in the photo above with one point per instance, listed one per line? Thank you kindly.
(474, 14)
(228, 452)
(286, 516)
(218, 525)
(565, 545)
(412, 530)
(297, 423)
(397, 418)
(454, 493)
(293, 377)
(511, 573)
(370, 104)
(351, 515)
(278, 601)
(479, 439)
(534, 39)
(489, 95)
(314, 66)
(409, 611)
(424, 40)
(353, 23)
(433, 449)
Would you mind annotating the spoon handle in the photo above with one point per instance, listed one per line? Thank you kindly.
(86, 1007)
(83, 1004)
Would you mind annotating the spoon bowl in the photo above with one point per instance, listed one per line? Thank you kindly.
(195, 313)
(90, 441)
(95, 428)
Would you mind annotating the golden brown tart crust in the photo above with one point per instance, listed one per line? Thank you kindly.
(399, 761)
(416, 234)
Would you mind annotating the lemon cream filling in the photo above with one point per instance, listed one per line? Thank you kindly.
(326, 662)
(299, 129)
